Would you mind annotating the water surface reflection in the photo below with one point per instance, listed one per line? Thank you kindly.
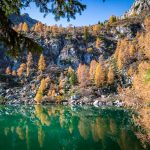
(59, 127)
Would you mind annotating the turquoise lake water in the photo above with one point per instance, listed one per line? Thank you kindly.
(66, 128)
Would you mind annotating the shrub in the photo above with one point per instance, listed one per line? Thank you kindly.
(90, 50)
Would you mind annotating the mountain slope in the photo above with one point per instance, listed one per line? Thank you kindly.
(17, 19)
(138, 7)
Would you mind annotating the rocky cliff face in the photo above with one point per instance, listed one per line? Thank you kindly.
(66, 52)
(138, 7)
(70, 52)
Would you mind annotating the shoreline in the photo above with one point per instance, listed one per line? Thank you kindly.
(98, 102)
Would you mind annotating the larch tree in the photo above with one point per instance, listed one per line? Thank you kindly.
(96, 29)
(70, 70)
(38, 27)
(49, 94)
(99, 76)
(20, 27)
(83, 75)
(98, 43)
(93, 66)
(39, 96)
(14, 73)
(141, 81)
(86, 33)
(72, 76)
(143, 40)
(41, 63)
(112, 19)
(43, 85)
(110, 76)
(61, 81)
(131, 70)
(25, 27)
(21, 70)
(8, 71)
(29, 63)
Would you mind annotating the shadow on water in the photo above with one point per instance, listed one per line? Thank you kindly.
(59, 127)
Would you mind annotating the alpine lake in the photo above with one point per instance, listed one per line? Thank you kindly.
(35, 127)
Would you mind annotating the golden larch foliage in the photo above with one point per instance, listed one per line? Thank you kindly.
(38, 27)
(96, 29)
(61, 81)
(25, 27)
(39, 96)
(21, 69)
(41, 63)
(8, 71)
(110, 75)
(93, 66)
(143, 39)
(132, 50)
(141, 86)
(43, 85)
(130, 71)
(41, 136)
(98, 43)
(49, 93)
(83, 75)
(122, 54)
(29, 63)
(20, 133)
(112, 19)
(70, 70)
(99, 76)
(14, 73)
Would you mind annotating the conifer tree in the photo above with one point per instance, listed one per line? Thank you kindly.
(39, 96)
(8, 71)
(41, 63)
(110, 76)
(21, 69)
(96, 29)
(61, 81)
(51, 93)
(99, 76)
(14, 73)
(70, 70)
(93, 66)
(112, 19)
(72, 76)
(132, 50)
(98, 43)
(86, 33)
(25, 27)
(29, 63)
(83, 75)
(43, 85)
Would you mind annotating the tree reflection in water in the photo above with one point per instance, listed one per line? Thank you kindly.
(58, 127)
